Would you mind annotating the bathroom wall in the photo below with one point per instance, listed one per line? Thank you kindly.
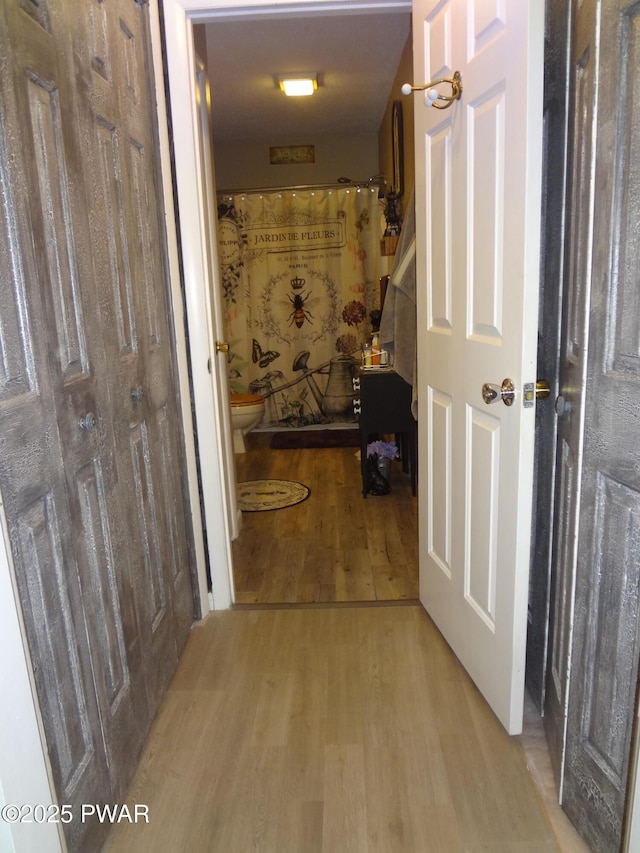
(403, 75)
(243, 165)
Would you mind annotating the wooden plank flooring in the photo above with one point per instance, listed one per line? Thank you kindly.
(327, 730)
(336, 546)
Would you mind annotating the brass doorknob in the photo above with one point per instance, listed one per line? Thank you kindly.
(222, 346)
(492, 393)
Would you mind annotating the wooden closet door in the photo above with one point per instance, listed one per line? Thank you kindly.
(58, 476)
(118, 126)
(90, 468)
(603, 699)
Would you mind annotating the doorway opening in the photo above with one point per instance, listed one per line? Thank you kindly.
(193, 249)
(340, 547)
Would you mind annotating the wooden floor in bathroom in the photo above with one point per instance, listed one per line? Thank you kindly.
(336, 546)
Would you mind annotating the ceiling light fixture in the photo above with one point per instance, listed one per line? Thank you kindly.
(297, 85)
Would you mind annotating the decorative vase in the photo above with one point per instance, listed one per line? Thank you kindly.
(377, 482)
(384, 467)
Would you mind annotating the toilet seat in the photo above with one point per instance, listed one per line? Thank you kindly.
(246, 399)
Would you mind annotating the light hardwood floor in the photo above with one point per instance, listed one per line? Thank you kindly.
(337, 545)
(326, 730)
(334, 728)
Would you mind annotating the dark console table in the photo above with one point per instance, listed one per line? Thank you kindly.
(385, 408)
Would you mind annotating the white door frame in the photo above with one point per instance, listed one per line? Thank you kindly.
(210, 408)
(201, 333)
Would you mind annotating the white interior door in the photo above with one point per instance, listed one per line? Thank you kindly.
(478, 188)
(213, 294)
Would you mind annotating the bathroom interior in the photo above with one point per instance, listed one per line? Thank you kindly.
(312, 193)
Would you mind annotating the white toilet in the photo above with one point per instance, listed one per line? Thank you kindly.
(246, 413)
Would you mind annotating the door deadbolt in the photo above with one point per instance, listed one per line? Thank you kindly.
(543, 389)
(506, 392)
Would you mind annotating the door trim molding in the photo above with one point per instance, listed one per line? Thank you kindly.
(197, 314)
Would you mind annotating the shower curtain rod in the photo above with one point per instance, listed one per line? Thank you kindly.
(379, 182)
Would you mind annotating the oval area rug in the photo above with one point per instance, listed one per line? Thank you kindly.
(260, 495)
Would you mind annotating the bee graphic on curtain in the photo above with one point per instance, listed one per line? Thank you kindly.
(301, 310)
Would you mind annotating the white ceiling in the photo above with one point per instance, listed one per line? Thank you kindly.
(355, 56)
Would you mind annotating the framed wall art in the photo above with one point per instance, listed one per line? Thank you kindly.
(397, 148)
(283, 155)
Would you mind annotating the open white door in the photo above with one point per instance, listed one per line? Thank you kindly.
(478, 190)
(214, 297)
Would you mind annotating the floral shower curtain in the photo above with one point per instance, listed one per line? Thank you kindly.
(300, 274)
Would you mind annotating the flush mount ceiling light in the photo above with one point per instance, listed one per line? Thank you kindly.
(297, 85)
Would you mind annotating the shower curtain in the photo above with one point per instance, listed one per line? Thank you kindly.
(300, 274)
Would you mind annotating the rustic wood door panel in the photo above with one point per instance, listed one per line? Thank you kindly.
(572, 380)
(152, 309)
(606, 643)
(127, 239)
(49, 384)
(90, 468)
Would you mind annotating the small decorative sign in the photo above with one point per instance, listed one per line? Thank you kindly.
(327, 234)
(282, 155)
